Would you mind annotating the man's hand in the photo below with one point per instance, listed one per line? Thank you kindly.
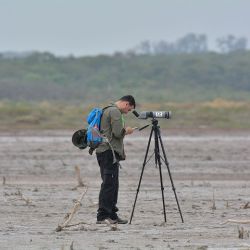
(129, 130)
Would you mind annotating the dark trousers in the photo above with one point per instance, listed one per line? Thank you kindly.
(110, 184)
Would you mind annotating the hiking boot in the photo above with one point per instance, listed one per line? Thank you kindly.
(121, 221)
(106, 221)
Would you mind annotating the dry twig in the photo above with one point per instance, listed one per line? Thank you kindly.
(213, 207)
(79, 179)
(71, 246)
(236, 221)
(113, 227)
(76, 224)
(247, 205)
(70, 215)
(63, 163)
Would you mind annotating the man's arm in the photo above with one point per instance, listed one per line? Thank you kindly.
(117, 126)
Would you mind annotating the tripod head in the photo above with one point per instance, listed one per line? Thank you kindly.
(154, 122)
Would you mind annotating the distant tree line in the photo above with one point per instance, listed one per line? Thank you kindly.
(157, 77)
(190, 43)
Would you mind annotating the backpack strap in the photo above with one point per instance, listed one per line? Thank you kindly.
(107, 141)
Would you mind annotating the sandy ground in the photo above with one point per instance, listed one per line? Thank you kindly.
(40, 166)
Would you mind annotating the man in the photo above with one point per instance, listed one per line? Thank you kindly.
(109, 155)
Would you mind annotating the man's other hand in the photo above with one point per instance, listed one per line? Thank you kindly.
(129, 130)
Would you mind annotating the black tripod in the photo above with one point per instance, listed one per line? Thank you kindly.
(158, 157)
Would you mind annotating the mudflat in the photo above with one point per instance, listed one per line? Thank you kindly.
(210, 171)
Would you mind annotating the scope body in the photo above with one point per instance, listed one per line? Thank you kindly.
(153, 114)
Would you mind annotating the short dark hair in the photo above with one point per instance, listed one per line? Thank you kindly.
(128, 98)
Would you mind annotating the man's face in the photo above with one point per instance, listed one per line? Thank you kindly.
(126, 107)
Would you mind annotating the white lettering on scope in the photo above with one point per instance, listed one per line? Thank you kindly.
(159, 114)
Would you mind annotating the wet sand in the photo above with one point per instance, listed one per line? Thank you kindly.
(210, 172)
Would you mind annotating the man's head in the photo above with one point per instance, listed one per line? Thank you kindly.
(126, 103)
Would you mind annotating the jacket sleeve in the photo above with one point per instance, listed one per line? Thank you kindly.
(117, 126)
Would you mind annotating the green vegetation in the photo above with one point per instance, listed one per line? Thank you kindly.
(151, 78)
(57, 115)
(47, 92)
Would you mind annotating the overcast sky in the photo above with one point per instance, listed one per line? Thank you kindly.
(90, 27)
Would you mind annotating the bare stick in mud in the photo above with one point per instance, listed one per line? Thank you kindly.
(213, 206)
(243, 233)
(25, 199)
(78, 174)
(236, 221)
(247, 205)
(113, 227)
(76, 224)
(71, 246)
(79, 179)
(69, 216)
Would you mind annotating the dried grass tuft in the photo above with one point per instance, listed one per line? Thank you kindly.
(243, 233)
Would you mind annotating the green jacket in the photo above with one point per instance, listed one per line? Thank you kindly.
(113, 128)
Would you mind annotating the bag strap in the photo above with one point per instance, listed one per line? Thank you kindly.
(106, 139)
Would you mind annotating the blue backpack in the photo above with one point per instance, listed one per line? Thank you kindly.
(94, 136)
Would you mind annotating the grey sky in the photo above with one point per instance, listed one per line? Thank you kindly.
(89, 27)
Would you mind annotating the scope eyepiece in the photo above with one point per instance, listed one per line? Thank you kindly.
(135, 113)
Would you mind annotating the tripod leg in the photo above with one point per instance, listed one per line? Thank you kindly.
(169, 173)
(158, 160)
(143, 166)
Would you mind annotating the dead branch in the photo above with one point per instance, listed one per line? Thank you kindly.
(71, 246)
(213, 207)
(236, 221)
(77, 224)
(73, 225)
(4, 180)
(79, 179)
(247, 205)
(69, 216)
(113, 227)
(63, 163)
